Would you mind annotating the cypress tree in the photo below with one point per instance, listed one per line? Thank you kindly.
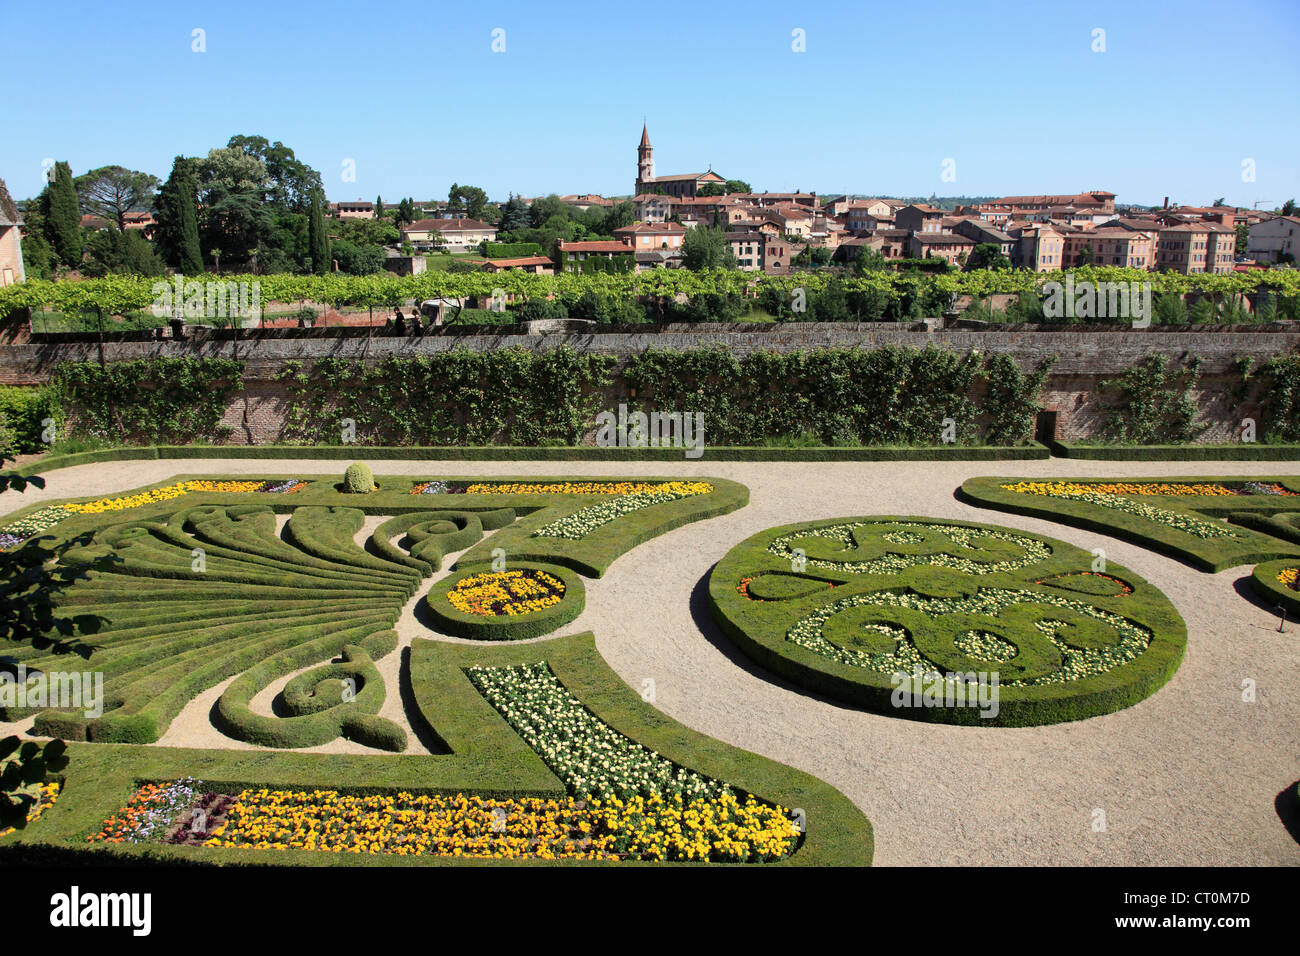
(318, 242)
(379, 207)
(177, 231)
(63, 217)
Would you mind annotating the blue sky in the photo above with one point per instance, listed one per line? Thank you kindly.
(885, 92)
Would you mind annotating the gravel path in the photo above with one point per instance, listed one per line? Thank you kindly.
(1188, 776)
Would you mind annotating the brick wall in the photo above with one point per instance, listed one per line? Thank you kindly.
(1084, 359)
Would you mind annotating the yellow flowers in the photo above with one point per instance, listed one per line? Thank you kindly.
(640, 828)
(168, 492)
(588, 488)
(1175, 488)
(506, 593)
(1289, 577)
(49, 793)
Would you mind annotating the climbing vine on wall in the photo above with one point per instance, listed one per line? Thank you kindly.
(1154, 402)
(153, 401)
(459, 397)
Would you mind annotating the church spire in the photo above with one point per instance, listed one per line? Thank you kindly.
(645, 134)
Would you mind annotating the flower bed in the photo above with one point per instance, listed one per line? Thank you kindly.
(49, 794)
(1076, 491)
(958, 601)
(525, 600)
(151, 814)
(581, 523)
(38, 522)
(506, 593)
(458, 825)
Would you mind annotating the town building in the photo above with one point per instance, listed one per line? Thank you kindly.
(11, 240)
(536, 265)
(644, 236)
(449, 233)
(1272, 240)
(570, 256)
(353, 210)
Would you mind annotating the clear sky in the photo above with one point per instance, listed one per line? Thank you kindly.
(412, 92)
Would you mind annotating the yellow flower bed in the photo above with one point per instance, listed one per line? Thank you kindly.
(165, 493)
(1289, 577)
(588, 488)
(506, 593)
(640, 828)
(49, 793)
(1180, 489)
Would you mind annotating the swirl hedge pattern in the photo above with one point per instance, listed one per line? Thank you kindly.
(947, 621)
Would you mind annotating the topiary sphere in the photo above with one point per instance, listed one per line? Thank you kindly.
(358, 479)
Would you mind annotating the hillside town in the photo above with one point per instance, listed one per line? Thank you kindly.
(658, 222)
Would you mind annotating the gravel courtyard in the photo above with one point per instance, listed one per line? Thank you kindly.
(1187, 776)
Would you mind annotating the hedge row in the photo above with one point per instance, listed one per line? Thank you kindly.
(1242, 451)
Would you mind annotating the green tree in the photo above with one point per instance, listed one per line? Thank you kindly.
(405, 212)
(987, 255)
(379, 207)
(706, 247)
(319, 240)
(63, 216)
(236, 214)
(1243, 238)
(871, 260)
(287, 182)
(38, 254)
(468, 201)
(1288, 208)
(121, 252)
(176, 229)
(111, 192)
(1086, 256)
(514, 215)
(357, 259)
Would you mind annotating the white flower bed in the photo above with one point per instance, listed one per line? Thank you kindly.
(1077, 662)
(581, 523)
(589, 756)
(890, 563)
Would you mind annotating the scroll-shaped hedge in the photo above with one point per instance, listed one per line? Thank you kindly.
(334, 700)
(432, 535)
(202, 595)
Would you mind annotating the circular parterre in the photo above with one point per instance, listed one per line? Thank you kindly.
(509, 604)
(947, 621)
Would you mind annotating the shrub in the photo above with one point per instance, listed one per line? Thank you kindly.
(358, 479)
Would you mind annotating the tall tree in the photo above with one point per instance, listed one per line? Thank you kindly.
(288, 182)
(466, 201)
(379, 207)
(111, 192)
(514, 214)
(63, 216)
(318, 238)
(177, 229)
